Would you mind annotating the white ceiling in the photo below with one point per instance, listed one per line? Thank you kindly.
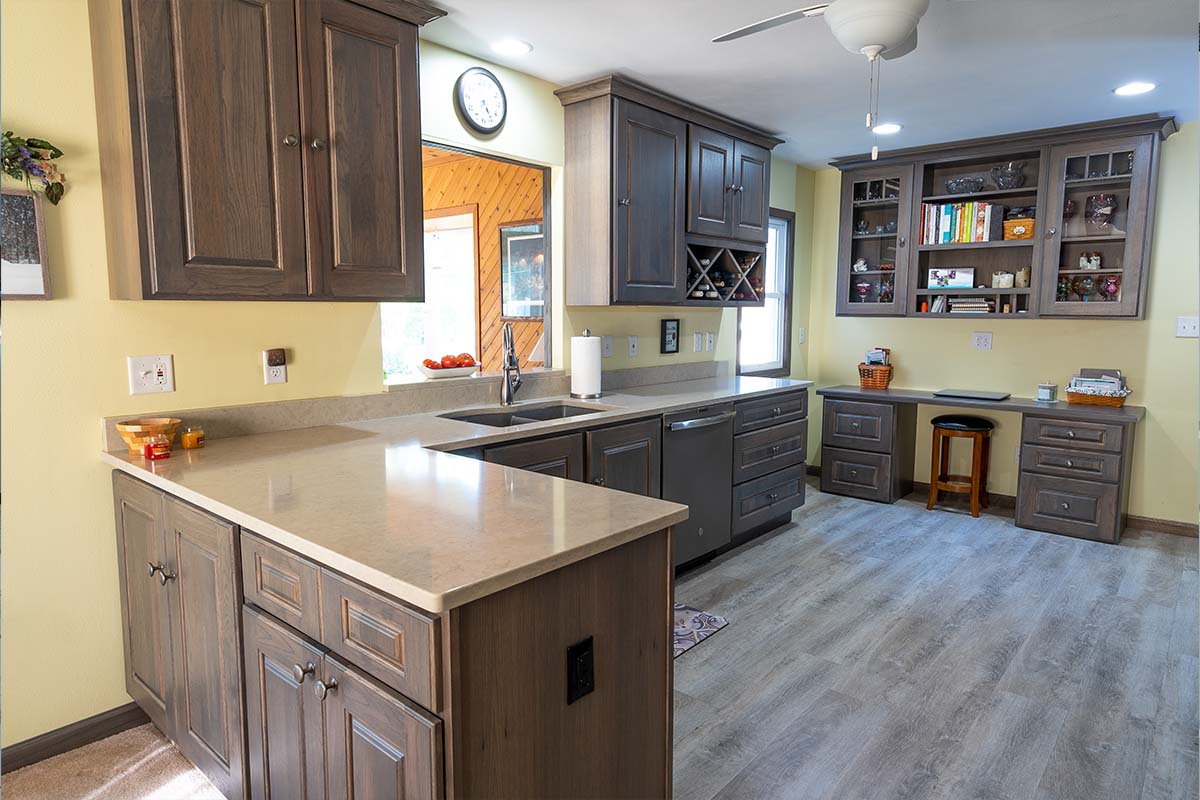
(983, 67)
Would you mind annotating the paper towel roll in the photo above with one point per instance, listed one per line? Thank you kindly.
(585, 366)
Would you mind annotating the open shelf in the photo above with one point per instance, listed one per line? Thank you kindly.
(981, 194)
(1099, 239)
(728, 271)
(861, 236)
(887, 201)
(975, 245)
(970, 292)
(1089, 271)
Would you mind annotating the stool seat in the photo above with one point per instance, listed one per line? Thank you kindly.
(962, 422)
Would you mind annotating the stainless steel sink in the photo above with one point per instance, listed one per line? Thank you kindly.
(525, 414)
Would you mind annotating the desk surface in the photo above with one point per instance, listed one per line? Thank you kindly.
(1020, 405)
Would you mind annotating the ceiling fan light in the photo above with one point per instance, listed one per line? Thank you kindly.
(511, 47)
(1134, 88)
(878, 25)
(887, 128)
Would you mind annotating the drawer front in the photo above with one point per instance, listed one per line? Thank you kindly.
(560, 456)
(282, 583)
(396, 644)
(858, 426)
(753, 415)
(764, 499)
(1082, 464)
(756, 454)
(856, 474)
(1064, 505)
(1075, 435)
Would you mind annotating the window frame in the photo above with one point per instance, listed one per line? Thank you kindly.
(789, 244)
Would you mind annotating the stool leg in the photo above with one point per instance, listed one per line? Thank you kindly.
(976, 472)
(945, 460)
(933, 470)
(987, 459)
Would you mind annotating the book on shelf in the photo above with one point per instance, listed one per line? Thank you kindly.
(961, 223)
(971, 305)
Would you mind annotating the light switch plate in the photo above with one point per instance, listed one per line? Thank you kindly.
(982, 340)
(606, 347)
(151, 374)
(1187, 327)
(802, 336)
(697, 342)
(633, 347)
(710, 340)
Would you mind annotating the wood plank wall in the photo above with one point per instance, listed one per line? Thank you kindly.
(504, 194)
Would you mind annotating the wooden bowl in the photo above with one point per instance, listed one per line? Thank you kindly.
(135, 432)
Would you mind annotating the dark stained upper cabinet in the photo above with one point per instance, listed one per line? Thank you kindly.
(228, 160)
(879, 201)
(710, 182)
(751, 193)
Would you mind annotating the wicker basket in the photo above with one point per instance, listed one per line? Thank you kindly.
(874, 376)
(1095, 399)
(1019, 228)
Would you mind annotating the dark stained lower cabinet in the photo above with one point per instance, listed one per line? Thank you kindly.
(627, 457)
(560, 456)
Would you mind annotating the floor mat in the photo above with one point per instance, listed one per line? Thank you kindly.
(693, 626)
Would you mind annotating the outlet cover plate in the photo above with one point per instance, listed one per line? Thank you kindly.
(606, 347)
(633, 347)
(697, 342)
(981, 340)
(273, 371)
(710, 341)
(151, 374)
(1187, 327)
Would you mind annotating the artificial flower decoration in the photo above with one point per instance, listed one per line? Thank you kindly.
(26, 159)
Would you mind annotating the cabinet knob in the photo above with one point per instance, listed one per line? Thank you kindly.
(1070, 463)
(853, 424)
(153, 568)
(598, 480)
(318, 144)
(774, 449)
(1051, 231)
(900, 241)
(731, 187)
(1070, 434)
(624, 201)
(1066, 506)
(853, 473)
(773, 496)
(775, 412)
(323, 688)
(164, 576)
(298, 672)
(290, 140)
(741, 189)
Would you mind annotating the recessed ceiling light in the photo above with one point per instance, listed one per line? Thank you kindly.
(1134, 87)
(887, 128)
(511, 47)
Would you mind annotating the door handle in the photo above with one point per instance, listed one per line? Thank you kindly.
(323, 688)
(702, 422)
(299, 672)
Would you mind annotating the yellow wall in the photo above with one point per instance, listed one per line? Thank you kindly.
(935, 354)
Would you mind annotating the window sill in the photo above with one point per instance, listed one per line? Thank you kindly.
(396, 383)
(775, 372)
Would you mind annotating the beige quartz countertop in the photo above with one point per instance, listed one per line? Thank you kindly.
(376, 500)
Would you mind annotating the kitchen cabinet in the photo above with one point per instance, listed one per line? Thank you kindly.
(728, 183)
(257, 151)
(560, 456)
(752, 192)
(626, 457)
(876, 205)
(769, 450)
(868, 449)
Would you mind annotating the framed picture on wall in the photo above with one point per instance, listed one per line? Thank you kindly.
(23, 271)
(669, 341)
(522, 276)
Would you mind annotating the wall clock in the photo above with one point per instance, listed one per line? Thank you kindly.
(480, 100)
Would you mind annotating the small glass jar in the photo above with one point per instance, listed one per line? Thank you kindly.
(192, 437)
(157, 446)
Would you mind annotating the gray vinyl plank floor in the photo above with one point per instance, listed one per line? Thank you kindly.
(883, 651)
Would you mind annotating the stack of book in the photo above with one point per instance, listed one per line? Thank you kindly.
(961, 223)
(972, 305)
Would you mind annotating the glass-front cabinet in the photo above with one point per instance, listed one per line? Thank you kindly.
(1095, 248)
(873, 251)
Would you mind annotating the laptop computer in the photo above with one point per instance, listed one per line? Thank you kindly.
(971, 394)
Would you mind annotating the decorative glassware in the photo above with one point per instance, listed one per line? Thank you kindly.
(1010, 175)
(862, 290)
(1111, 288)
(1084, 287)
(1098, 213)
(886, 290)
(1063, 291)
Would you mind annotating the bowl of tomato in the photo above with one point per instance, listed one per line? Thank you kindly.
(449, 366)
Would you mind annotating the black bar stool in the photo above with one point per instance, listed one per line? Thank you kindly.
(960, 426)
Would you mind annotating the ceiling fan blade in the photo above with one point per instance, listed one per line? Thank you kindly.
(904, 48)
(814, 10)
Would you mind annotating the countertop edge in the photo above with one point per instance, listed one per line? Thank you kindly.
(1020, 405)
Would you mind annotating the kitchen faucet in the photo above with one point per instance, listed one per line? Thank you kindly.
(510, 366)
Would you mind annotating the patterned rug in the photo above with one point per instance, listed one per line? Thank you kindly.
(693, 626)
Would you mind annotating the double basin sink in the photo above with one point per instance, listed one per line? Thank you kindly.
(525, 414)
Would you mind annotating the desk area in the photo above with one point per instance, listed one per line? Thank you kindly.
(1075, 459)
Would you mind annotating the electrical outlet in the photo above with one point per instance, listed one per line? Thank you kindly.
(801, 336)
(606, 347)
(981, 340)
(697, 342)
(710, 341)
(633, 347)
(581, 670)
(274, 366)
(1187, 327)
(151, 374)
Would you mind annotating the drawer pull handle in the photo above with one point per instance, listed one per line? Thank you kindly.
(853, 473)
(1070, 463)
(299, 672)
(774, 449)
(853, 424)
(773, 496)
(1066, 506)
(598, 480)
(776, 411)
(1070, 434)
(323, 688)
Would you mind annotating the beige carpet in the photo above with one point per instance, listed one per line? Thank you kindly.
(138, 764)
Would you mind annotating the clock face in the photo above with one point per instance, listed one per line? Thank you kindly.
(481, 100)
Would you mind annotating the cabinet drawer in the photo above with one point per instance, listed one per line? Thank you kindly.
(856, 474)
(1080, 464)
(396, 644)
(281, 583)
(753, 415)
(761, 452)
(1065, 505)
(858, 426)
(1075, 435)
(764, 499)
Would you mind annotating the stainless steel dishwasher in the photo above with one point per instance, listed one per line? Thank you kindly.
(698, 472)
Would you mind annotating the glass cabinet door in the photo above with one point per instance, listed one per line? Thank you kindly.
(1095, 242)
(874, 248)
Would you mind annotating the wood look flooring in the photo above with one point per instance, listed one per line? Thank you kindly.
(880, 651)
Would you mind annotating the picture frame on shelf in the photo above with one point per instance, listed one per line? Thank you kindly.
(24, 273)
(669, 340)
(951, 278)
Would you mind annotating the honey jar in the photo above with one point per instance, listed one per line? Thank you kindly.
(192, 437)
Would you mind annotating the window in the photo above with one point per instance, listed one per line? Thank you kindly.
(765, 334)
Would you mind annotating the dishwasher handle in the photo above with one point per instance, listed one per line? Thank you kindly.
(701, 422)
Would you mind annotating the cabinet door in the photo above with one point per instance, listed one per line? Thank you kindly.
(218, 101)
(206, 643)
(378, 745)
(627, 457)
(710, 182)
(876, 219)
(1094, 260)
(560, 456)
(284, 721)
(362, 152)
(752, 192)
(144, 617)
(649, 263)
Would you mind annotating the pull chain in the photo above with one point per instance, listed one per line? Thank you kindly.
(873, 110)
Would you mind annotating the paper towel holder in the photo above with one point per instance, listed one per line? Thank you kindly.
(588, 396)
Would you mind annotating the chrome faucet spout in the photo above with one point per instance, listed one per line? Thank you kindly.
(510, 367)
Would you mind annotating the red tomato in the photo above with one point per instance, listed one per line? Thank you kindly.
(431, 364)
(466, 360)
(449, 362)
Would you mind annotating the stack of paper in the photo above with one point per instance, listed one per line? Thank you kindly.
(877, 356)
(1106, 382)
